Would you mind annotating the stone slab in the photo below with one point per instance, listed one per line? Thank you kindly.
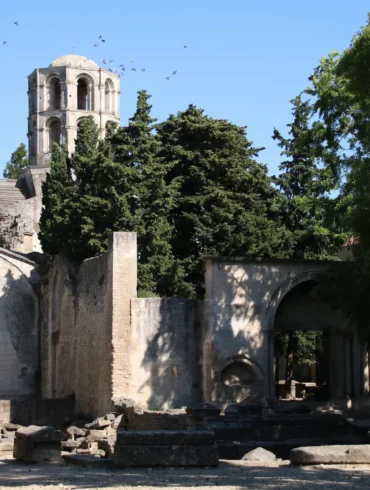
(351, 454)
(96, 435)
(166, 437)
(76, 431)
(87, 461)
(36, 452)
(147, 456)
(36, 433)
(98, 423)
(259, 454)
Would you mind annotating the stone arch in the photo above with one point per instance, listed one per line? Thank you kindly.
(246, 361)
(85, 91)
(53, 92)
(19, 318)
(281, 292)
(53, 128)
(109, 96)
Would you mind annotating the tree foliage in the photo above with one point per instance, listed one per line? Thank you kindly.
(18, 162)
(340, 89)
(305, 202)
(225, 198)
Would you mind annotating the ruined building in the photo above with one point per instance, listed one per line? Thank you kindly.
(81, 332)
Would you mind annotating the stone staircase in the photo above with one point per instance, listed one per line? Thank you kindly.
(9, 193)
(280, 433)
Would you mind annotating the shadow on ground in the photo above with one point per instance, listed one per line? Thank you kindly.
(229, 474)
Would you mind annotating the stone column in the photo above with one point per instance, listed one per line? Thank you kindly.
(122, 259)
(271, 389)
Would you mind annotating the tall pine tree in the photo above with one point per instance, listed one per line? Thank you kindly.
(306, 207)
(225, 196)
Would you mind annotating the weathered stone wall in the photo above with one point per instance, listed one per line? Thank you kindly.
(93, 330)
(19, 317)
(242, 299)
(58, 346)
(164, 352)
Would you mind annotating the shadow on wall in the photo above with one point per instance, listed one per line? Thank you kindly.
(169, 330)
(235, 347)
(19, 319)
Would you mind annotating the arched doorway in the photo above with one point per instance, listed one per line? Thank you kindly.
(302, 325)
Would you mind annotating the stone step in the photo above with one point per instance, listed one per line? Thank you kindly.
(87, 461)
(281, 449)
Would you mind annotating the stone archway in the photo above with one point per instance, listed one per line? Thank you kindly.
(294, 309)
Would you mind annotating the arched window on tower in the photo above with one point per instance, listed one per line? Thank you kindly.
(109, 96)
(83, 102)
(55, 94)
(55, 133)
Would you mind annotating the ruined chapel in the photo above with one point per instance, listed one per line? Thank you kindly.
(80, 335)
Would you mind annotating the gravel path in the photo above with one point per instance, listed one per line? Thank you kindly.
(230, 475)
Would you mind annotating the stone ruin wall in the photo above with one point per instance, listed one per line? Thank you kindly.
(19, 319)
(101, 343)
(165, 350)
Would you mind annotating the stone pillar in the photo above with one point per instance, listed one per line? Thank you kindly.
(337, 366)
(271, 389)
(122, 251)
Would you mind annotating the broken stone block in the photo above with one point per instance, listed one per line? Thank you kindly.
(107, 445)
(11, 427)
(35, 444)
(98, 423)
(69, 445)
(36, 433)
(353, 454)
(80, 440)
(117, 422)
(97, 452)
(96, 435)
(76, 431)
(144, 456)
(259, 454)
(36, 452)
(110, 416)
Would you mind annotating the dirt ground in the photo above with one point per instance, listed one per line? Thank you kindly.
(230, 475)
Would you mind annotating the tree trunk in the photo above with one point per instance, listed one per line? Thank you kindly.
(289, 365)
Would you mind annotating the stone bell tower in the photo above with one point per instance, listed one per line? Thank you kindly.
(59, 96)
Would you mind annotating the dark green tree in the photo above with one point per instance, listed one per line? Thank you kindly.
(151, 199)
(306, 206)
(225, 196)
(18, 162)
(57, 195)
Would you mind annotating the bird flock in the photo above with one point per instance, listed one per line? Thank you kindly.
(121, 70)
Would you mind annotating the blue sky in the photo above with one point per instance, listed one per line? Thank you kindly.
(245, 59)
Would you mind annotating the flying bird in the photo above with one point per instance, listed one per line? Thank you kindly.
(174, 72)
(111, 61)
(110, 69)
(185, 46)
(16, 23)
(101, 39)
(5, 42)
(168, 78)
(143, 69)
(104, 61)
(132, 60)
(133, 69)
(96, 45)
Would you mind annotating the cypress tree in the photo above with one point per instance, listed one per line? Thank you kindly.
(224, 198)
